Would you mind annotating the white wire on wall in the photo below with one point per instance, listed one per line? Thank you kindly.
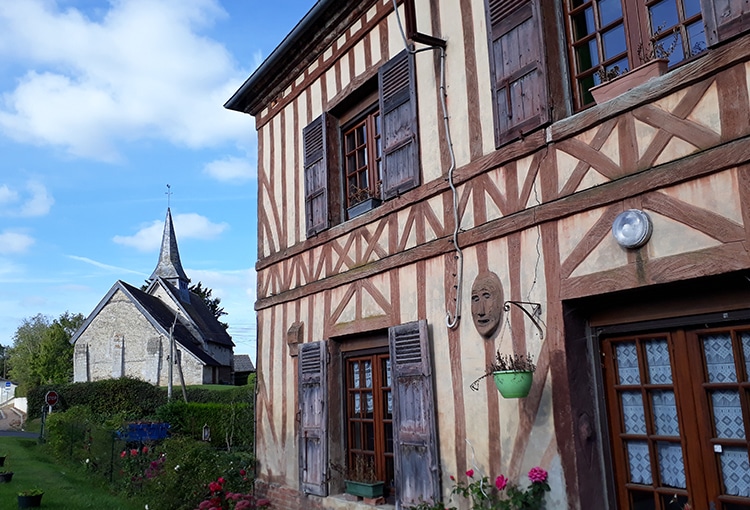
(453, 321)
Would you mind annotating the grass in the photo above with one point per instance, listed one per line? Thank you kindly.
(65, 488)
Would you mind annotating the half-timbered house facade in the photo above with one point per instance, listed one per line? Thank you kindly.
(411, 157)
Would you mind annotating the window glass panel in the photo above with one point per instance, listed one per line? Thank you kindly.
(663, 16)
(735, 471)
(639, 462)
(746, 353)
(632, 411)
(355, 374)
(664, 407)
(587, 55)
(369, 436)
(696, 38)
(627, 363)
(389, 409)
(609, 11)
(585, 85)
(368, 374)
(657, 356)
(719, 358)
(357, 405)
(613, 42)
(642, 500)
(621, 65)
(583, 24)
(368, 399)
(727, 414)
(357, 435)
(388, 372)
(389, 437)
(691, 7)
(671, 465)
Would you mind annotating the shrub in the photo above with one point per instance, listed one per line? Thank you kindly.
(231, 424)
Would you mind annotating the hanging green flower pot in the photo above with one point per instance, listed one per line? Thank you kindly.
(513, 384)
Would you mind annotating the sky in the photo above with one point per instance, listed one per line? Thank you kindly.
(103, 105)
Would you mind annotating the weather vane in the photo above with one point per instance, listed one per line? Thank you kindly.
(169, 195)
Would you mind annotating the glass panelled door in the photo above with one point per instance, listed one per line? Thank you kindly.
(678, 414)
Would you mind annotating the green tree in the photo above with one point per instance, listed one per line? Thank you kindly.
(42, 352)
(213, 304)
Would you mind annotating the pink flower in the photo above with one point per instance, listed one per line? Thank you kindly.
(123, 454)
(222, 481)
(145, 449)
(133, 452)
(214, 487)
(453, 478)
(537, 475)
(501, 482)
(243, 472)
(470, 473)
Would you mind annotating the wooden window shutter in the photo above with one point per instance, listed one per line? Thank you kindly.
(725, 18)
(521, 95)
(313, 430)
(398, 110)
(314, 141)
(416, 461)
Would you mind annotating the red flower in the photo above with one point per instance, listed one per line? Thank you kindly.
(501, 482)
(145, 449)
(470, 473)
(221, 480)
(133, 452)
(243, 472)
(537, 475)
(214, 487)
(123, 454)
(453, 478)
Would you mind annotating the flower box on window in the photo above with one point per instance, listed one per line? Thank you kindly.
(364, 489)
(628, 80)
(362, 207)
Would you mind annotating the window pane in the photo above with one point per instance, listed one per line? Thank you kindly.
(672, 48)
(613, 42)
(357, 405)
(587, 55)
(609, 11)
(627, 363)
(350, 146)
(639, 462)
(357, 435)
(727, 414)
(632, 411)
(583, 24)
(642, 500)
(663, 16)
(389, 437)
(692, 7)
(361, 158)
(355, 375)
(659, 368)
(735, 471)
(368, 400)
(746, 352)
(361, 134)
(719, 358)
(671, 465)
(369, 436)
(696, 38)
(664, 407)
(368, 374)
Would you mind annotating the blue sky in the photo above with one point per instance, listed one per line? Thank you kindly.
(102, 104)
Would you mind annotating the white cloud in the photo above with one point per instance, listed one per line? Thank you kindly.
(36, 201)
(187, 226)
(14, 242)
(140, 70)
(230, 169)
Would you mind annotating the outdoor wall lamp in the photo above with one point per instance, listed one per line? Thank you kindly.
(632, 228)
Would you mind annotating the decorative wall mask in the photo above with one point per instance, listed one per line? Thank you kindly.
(487, 303)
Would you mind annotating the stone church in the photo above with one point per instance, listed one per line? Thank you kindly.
(130, 331)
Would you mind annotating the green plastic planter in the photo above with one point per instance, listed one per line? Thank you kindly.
(513, 384)
(365, 490)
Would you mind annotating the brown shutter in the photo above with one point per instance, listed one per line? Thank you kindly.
(316, 176)
(398, 110)
(415, 448)
(518, 68)
(725, 18)
(313, 439)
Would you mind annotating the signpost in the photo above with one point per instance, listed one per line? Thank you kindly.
(51, 398)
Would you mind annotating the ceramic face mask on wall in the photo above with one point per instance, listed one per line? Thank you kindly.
(487, 303)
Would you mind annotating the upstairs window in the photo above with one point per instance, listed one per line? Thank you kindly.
(362, 159)
(614, 36)
(369, 151)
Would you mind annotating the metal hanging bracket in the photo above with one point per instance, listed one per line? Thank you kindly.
(534, 315)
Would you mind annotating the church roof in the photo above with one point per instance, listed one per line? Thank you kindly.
(169, 265)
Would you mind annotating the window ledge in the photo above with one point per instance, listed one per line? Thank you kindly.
(343, 502)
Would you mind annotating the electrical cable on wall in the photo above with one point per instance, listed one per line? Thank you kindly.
(451, 322)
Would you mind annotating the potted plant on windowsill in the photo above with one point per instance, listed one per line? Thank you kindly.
(513, 374)
(360, 479)
(31, 498)
(362, 200)
(615, 81)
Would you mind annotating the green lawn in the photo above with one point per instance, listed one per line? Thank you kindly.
(64, 488)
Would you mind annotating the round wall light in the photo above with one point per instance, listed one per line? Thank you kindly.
(632, 228)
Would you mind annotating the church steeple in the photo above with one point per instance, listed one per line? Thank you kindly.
(169, 266)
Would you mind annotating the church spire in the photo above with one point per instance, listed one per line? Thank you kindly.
(169, 266)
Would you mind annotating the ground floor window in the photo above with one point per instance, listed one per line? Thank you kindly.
(369, 416)
(678, 405)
